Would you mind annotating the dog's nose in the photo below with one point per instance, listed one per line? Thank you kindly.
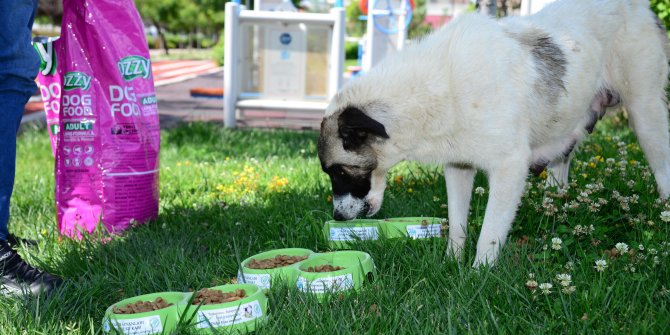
(338, 216)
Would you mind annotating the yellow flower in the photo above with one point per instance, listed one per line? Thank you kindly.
(329, 199)
(585, 175)
(398, 179)
(277, 184)
(410, 190)
(592, 165)
(543, 175)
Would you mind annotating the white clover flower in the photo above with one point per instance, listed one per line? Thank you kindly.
(601, 265)
(640, 247)
(564, 279)
(480, 190)
(665, 216)
(653, 251)
(610, 161)
(531, 285)
(569, 266)
(531, 275)
(657, 260)
(556, 243)
(545, 288)
(569, 289)
(621, 247)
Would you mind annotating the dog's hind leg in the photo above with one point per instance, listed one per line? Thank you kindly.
(649, 119)
(642, 81)
(506, 182)
(459, 191)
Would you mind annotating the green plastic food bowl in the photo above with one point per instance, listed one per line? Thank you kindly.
(357, 266)
(264, 278)
(162, 321)
(412, 227)
(241, 316)
(341, 234)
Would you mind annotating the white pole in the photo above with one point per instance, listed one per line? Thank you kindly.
(370, 43)
(230, 79)
(402, 32)
(525, 7)
(336, 52)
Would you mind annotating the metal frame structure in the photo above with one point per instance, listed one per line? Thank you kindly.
(235, 15)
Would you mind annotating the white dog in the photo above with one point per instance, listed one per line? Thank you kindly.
(501, 96)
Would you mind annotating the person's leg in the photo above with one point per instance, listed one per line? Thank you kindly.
(19, 64)
(11, 111)
(18, 67)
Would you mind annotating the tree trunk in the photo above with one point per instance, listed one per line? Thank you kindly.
(162, 37)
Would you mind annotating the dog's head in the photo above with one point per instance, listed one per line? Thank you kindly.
(349, 150)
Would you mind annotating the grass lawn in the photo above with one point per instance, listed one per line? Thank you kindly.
(226, 195)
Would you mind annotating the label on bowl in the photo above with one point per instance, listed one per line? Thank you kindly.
(230, 315)
(326, 284)
(421, 231)
(354, 233)
(138, 326)
(261, 280)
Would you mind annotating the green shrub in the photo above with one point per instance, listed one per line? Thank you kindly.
(351, 50)
(218, 50)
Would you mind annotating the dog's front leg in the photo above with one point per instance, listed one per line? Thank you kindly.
(459, 190)
(506, 184)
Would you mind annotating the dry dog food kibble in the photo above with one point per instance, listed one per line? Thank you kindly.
(208, 297)
(275, 262)
(142, 306)
(324, 268)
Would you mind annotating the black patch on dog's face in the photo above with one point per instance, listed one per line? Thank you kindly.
(354, 180)
(355, 128)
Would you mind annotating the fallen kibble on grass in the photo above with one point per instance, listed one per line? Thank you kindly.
(208, 296)
(324, 268)
(142, 306)
(275, 262)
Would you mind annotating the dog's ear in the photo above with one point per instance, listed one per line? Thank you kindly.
(354, 127)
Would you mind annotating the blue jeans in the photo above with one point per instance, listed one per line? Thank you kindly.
(19, 64)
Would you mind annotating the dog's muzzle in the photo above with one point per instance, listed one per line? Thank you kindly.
(349, 208)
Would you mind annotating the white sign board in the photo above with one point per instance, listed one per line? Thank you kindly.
(284, 62)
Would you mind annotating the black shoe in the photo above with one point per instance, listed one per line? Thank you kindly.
(15, 241)
(19, 277)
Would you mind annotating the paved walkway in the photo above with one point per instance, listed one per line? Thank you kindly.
(174, 81)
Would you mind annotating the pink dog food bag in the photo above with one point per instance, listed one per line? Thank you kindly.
(98, 92)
